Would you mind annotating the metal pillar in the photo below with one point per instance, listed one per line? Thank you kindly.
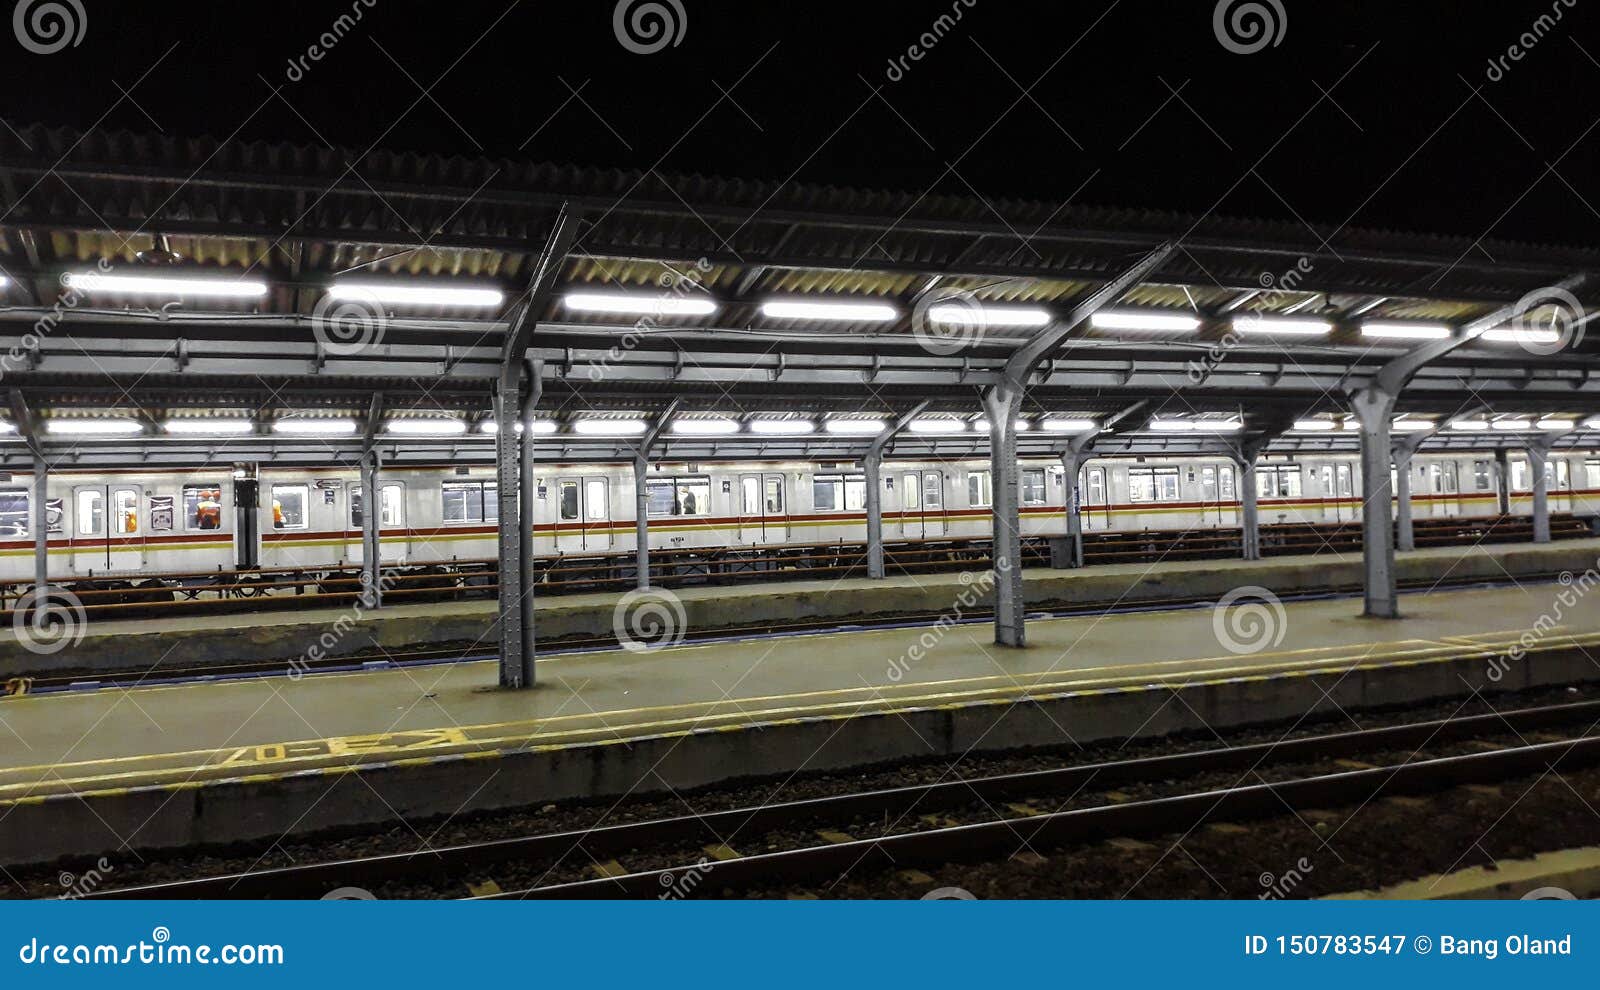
(1538, 463)
(1249, 509)
(1405, 534)
(41, 525)
(371, 535)
(1502, 480)
(641, 523)
(516, 669)
(1374, 407)
(1072, 463)
(528, 488)
(1003, 403)
(873, 465)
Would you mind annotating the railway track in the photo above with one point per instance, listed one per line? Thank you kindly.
(457, 654)
(914, 833)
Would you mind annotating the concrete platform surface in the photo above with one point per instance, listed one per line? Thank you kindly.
(154, 645)
(164, 767)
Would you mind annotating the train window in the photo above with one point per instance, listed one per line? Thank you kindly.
(596, 503)
(1279, 481)
(14, 513)
(1208, 483)
(568, 491)
(202, 507)
(1033, 487)
(91, 508)
(1346, 481)
(1591, 474)
(750, 496)
(1327, 479)
(1096, 486)
(932, 490)
(676, 497)
(389, 498)
(469, 501)
(1152, 484)
(836, 492)
(1481, 477)
(1563, 482)
(1519, 476)
(290, 505)
(1225, 477)
(125, 503)
(774, 496)
(980, 492)
(910, 492)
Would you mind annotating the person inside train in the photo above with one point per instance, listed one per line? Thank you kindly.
(277, 514)
(688, 503)
(208, 512)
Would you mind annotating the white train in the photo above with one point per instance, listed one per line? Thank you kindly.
(129, 523)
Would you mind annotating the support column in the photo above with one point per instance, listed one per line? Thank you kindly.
(1538, 463)
(1003, 403)
(41, 526)
(371, 534)
(516, 669)
(1072, 463)
(529, 490)
(1374, 407)
(872, 464)
(1404, 450)
(1502, 480)
(1249, 509)
(641, 523)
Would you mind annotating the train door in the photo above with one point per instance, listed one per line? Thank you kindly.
(391, 515)
(763, 513)
(583, 514)
(1344, 490)
(1216, 494)
(1448, 502)
(922, 505)
(1092, 486)
(106, 528)
(1561, 485)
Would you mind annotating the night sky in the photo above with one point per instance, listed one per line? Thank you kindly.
(1398, 115)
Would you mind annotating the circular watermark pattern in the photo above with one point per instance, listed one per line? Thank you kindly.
(646, 620)
(949, 323)
(160, 935)
(48, 621)
(1548, 321)
(645, 27)
(1550, 894)
(950, 894)
(47, 27)
(349, 894)
(1248, 620)
(349, 324)
(1245, 27)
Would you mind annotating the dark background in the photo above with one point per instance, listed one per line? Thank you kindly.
(1411, 134)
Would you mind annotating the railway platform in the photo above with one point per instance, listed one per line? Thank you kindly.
(160, 647)
(115, 770)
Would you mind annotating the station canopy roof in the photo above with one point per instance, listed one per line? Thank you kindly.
(170, 301)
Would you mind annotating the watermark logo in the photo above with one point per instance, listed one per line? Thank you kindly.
(646, 620)
(677, 886)
(47, 27)
(973, 588)
(1528, 40)
(349, 894)
(1548, 321)
(349, 324)
(1247, 27)
(1275, 288)
(1549, 894)
(1276, 887)
(949, 323)
(48, 621)
(84, 884)
(950, 894)
(647, 27)
(928, 40)
(342, 25)
(1248, 620)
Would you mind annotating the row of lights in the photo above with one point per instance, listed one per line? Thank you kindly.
(721, 426)
(851, 311)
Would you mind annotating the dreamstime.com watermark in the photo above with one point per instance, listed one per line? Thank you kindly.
(74, 886)
(159, 951)
(1282, 885)
(1528, 40)
(1273, 289)
(645, 27)
(1574, 588)
(928, 40)
(45, 27)
(340, 627)
(1248, 620)
(680, 885)
(974, 587)
(48, 621)
(677, 285)
(328, 40)
(649, 619)
(1245, 27)
(74, 288)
